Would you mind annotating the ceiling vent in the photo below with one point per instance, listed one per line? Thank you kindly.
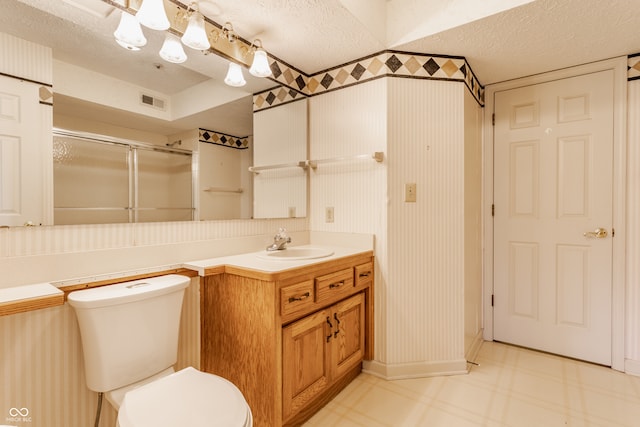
(152, 101)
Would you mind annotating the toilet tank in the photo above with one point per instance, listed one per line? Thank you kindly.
(129, 330)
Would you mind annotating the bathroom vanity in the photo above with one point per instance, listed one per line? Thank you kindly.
(290, 334)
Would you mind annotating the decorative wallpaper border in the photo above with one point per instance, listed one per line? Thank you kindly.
(222, 139)
(273, 97)
(383, 64)
(633, 67)
(45, 93)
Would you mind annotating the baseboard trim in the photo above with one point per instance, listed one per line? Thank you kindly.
(632, 367)
(402, 371)
(474, 348)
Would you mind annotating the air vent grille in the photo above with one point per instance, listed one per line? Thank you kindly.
(152, 102)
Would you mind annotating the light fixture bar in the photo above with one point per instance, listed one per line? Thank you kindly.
(219, 42)
(197, 33)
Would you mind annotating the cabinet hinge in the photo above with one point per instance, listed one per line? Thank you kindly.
(493, 210)
(491, 300)
(613, 232)
(493, 119)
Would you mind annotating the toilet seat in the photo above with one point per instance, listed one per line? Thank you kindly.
(185, 398)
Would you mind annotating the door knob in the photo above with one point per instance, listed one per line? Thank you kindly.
(598, 233)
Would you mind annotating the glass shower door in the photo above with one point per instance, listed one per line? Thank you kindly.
(91, 182)
(164, 186)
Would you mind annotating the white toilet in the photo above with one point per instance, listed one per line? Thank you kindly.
(130, 341)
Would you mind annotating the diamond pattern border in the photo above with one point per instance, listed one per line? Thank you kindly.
(222, 139)
(45, 94)
(274, 97)
(633, 67)
(386, 63)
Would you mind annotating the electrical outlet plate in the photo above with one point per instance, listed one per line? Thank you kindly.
(328, 214)
(410, 192)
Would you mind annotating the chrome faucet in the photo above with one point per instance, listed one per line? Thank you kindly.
(279, 241)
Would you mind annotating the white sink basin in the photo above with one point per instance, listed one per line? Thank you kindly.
(292, 254)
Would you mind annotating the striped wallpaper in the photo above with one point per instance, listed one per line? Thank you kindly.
(420, 247)
(632, 297)
(27, 60)
(426, 250)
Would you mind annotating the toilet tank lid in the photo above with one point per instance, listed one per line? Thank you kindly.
(126, 292)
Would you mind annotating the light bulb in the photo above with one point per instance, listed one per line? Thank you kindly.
(129, 34)
(172, 50)
(152, 15)
(234, 76)
(260, 66)
(196, 36)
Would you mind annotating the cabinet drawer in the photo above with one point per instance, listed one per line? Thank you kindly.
(363, 273)
(334, 284)
(298, 297)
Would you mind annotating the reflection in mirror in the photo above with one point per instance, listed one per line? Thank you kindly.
(280, 181)
(224, 181)
(100, 181)
(102, 89)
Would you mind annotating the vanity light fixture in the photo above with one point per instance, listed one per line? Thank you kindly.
(195, 36)
(172, 50)
(234, 76)
(152, 15)
(260, 65)
(228, 33)
(129, 34)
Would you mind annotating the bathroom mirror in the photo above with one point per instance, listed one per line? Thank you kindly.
(91, 73)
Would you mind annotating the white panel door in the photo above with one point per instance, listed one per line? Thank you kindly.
(553, 183)
(21, 177)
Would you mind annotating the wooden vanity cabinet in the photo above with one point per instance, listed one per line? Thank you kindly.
(319, 348)
(289, 340)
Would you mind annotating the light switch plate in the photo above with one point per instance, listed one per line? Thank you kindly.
(328, 214)
(410, 192)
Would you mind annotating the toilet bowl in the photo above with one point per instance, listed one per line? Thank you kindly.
(185, 398)
(129, 337)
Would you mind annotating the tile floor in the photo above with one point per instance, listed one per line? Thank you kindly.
(510, 387)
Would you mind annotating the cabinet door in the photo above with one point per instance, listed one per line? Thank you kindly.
(347, 341)
(306, 360)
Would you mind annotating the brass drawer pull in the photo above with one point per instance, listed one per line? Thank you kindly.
(300, 298)
(336, 285)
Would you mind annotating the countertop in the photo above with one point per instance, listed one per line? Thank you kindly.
(32, 297)
(255, 260)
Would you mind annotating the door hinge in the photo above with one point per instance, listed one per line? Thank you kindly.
(493, 119)
(491, 300)
(493, 210)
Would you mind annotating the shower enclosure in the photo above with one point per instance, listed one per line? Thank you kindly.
(100, 180)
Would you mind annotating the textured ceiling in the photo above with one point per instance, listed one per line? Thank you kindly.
(541, 36)
(503, 39)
